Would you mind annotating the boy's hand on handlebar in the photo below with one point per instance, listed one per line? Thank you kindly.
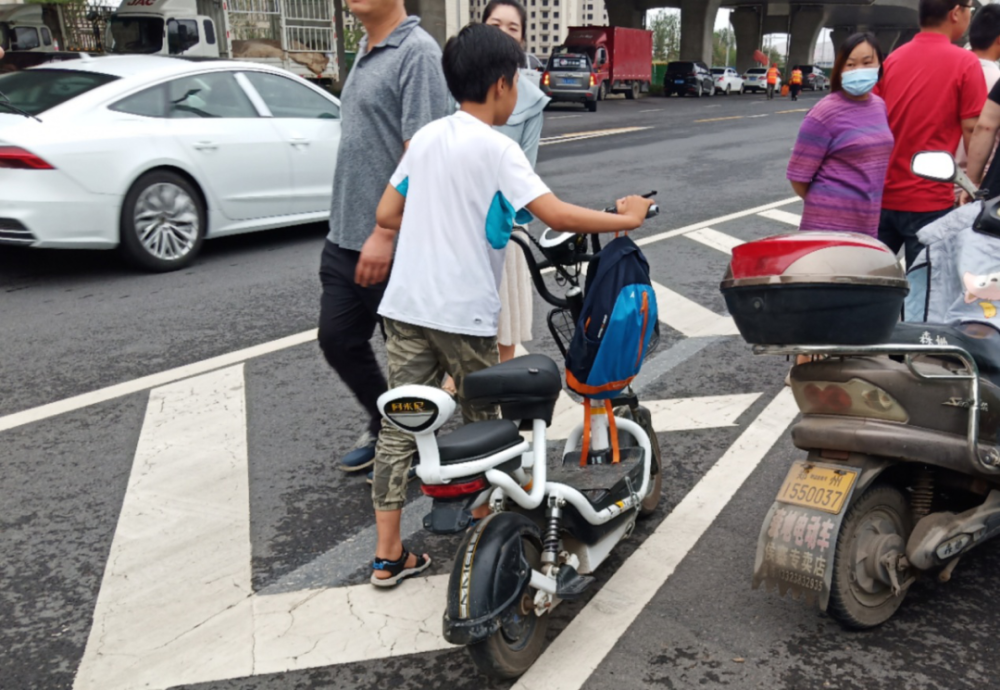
(634, 208)
(376, 258)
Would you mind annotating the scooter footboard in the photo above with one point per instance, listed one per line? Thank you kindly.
(491, 573)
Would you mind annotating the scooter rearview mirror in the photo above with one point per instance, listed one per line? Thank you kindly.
(934, 165)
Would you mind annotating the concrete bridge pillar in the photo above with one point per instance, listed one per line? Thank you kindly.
(624, 13)
(697, 27)
(887, 39)
(442, 19)
(838, 36)
(746, 23)
(807, 21)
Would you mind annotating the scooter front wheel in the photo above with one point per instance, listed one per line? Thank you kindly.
(520, 640)
(877, 525)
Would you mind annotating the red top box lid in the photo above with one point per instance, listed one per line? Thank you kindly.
(805, 254)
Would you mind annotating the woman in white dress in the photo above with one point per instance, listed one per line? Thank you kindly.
(524, 127)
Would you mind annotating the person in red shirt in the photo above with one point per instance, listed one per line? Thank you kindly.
(933, 91)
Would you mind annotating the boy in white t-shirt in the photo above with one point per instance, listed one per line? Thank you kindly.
(460, 183)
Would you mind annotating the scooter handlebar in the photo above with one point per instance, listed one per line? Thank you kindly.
(654, 210)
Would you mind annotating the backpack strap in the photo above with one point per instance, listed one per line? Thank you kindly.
(585, 442)
(612, 432)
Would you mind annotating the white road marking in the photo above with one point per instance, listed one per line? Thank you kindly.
(176, 604)
(563, 117)
(715, 239)
(582, 646)
(162, 378)
(714, 221)
(705, 412)
(77, 402)
(579, 136)
(678, 414)
(689, 317)
(782, 216)
(652, 110)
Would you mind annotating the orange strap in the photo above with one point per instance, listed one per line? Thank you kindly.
(613, 432)
(585, 443)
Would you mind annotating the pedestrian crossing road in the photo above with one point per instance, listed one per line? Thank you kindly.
(187, 528)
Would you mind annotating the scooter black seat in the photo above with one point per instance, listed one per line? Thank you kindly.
(522, 378)
(525, 388)
(478, 440)
(980, 340)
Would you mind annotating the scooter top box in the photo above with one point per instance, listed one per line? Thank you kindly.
(815, 288)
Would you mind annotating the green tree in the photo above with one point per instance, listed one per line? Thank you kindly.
(353, 31)
(723, 43)
(666, 28)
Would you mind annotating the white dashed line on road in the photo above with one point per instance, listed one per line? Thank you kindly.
(688, 317)
(715, 239)
(714, 221)
(782, 216)
(563, 138)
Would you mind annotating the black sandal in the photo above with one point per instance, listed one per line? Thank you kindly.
(397, 569)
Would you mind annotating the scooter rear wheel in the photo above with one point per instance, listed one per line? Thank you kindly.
(649, 504)
(876, 524)
(511, 650)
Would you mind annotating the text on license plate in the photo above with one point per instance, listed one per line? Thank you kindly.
(822, 488)
(678, 81)
(567, 82)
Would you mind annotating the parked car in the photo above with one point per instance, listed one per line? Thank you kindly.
(727, 80)
(688, 77)
(569, 78)
(755, 80)
(534, 63)
(153, 155)
(813, 78)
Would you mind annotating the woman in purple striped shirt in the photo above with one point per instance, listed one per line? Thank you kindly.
(840, 158)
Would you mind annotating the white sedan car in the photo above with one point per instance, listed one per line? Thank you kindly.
(727, 80)
(155, 154)
(756, 80)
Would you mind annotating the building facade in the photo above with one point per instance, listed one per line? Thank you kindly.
(548, 20)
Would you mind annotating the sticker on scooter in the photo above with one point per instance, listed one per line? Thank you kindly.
(985, 289)
(798, 539)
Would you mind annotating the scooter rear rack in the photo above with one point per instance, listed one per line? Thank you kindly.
(982, 459)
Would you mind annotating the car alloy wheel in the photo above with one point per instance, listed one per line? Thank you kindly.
(166, 221)
(163, 221)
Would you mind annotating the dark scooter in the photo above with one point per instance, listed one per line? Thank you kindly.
(901, 475)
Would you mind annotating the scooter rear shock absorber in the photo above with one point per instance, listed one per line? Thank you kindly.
(922, 495)
(550, 542)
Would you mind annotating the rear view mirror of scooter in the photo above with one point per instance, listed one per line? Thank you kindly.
(940, 166)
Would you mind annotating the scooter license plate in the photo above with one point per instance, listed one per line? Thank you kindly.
(819, 487)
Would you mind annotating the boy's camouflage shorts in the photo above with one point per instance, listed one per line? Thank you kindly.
(422, 356)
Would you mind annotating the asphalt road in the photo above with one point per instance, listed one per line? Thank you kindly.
(77, 322)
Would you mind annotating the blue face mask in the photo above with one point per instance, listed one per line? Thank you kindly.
(858, 82)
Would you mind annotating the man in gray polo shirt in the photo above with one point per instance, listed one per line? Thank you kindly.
(395, 87)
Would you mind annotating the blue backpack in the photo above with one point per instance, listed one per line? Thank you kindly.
(615, 327)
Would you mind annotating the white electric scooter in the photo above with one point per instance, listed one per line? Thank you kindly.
(551, 523)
